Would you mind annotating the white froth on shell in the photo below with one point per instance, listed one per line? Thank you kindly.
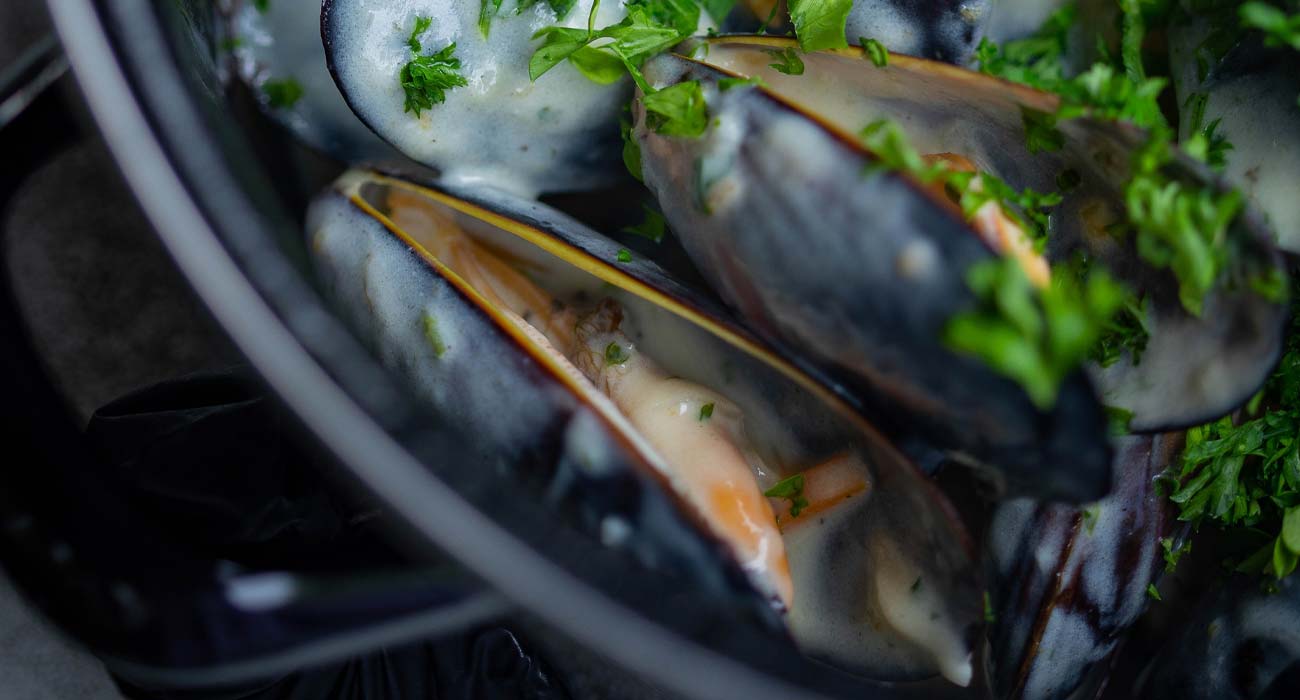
(282, 43)
(501, 129)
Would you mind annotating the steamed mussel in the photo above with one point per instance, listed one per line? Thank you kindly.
(860, 215)
(863, 271)
(630, 376)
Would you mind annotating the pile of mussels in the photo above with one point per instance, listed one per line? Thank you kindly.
(789, 421)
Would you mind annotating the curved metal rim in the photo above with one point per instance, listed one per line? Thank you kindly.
(338, 419)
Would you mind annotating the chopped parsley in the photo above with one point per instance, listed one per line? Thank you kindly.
(1206, 144)
(1034, 337)
(1179, 226)
(426, 79)
(432, 335)
(631, 149)
(706, 412)
(819, 24)
(1041, 134)
(725, 84)
(791, 489)
(1126, 333)
(1118, 421)
(874, 51)
(989, 616)
(1280, 29)
(1242, 473)
(653, 226)
(787, 61)
(624, 255)
(1172, 554)
(1089, 518)
(616, 355)
(1152, 592)
(1028, 209)
(282, 93)
(605, 55)
(677, 110)
(262, 5)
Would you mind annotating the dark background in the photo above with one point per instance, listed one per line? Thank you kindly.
(108, 314)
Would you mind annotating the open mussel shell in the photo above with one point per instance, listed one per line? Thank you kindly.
(1240, 642)
(1066, 582)
(1253, 93)
(485, 378)
(559, 133)
(278, 46)
(861, 274)
(1194, 368)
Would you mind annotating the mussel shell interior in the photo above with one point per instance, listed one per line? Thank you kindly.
(904, 524)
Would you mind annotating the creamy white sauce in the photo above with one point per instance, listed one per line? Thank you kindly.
(284, 43)
(501, 130)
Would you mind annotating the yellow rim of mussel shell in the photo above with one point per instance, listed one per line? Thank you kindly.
(350, 185)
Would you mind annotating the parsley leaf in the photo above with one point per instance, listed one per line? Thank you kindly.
(426, 79)
(706, 412)
(651, 26)
(422, 25)
(616, 355)
(1180, 226)
(1245, 472)
(791, 489)
(283, 93)
(1034, 337)
(1041, 134)
(1206, 145)
(654, 226)
(1279, 28)
(624, 255)
(677, 110)
(433, 336)
(631, 149)
(787, 61)
(875, 51)
(487, 11)
(819, 24)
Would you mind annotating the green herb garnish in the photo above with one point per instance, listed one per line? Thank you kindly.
(282, 93)
(875, 51)
(432, 335)
(1034, 337)
(706, 412)
(819, 24)
(1089, 517)
(989, 617)
(791, 489)
(1152, 592)
(677, 110)
(1243, 474)
(653, 226)
(1280, 29)
(615, 354)
(1172, 554)
(426, 79)
(624, 255)
(1179, 226)
(1118, 420)
(1041, 134)
(605, 55)
(262, 5)
(725, 84)
(787, 61)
